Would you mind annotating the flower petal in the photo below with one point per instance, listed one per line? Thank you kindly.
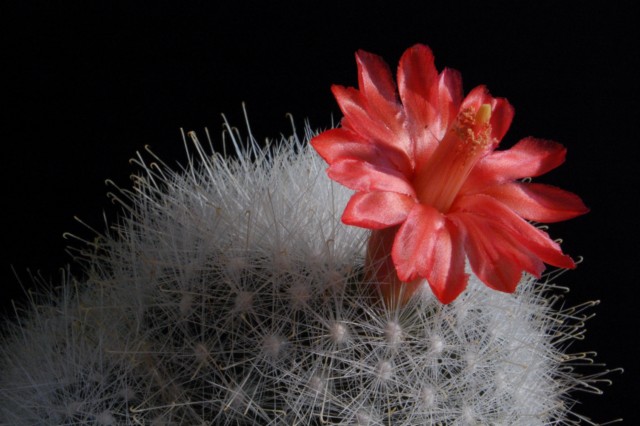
(538, 202)
(494, 254)
(427, 246)
(501, 116)
(498, 238)
(447, 103)
(366, 177)
(340, 144)
(379, 100)
(377, 210)
(376, 85)
(450, 96)
(418, 84)
(369, 122)
(476, 97)
(528, 158)
(495, 257)
(357, 116)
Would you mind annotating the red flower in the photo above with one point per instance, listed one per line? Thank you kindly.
(430, 185)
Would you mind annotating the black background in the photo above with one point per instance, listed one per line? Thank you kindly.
(86, 86)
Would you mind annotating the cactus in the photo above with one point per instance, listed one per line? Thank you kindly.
(228, 292)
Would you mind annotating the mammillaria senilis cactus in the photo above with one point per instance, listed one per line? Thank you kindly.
(230, 292)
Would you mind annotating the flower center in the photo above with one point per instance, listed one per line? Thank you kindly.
(437, 183)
